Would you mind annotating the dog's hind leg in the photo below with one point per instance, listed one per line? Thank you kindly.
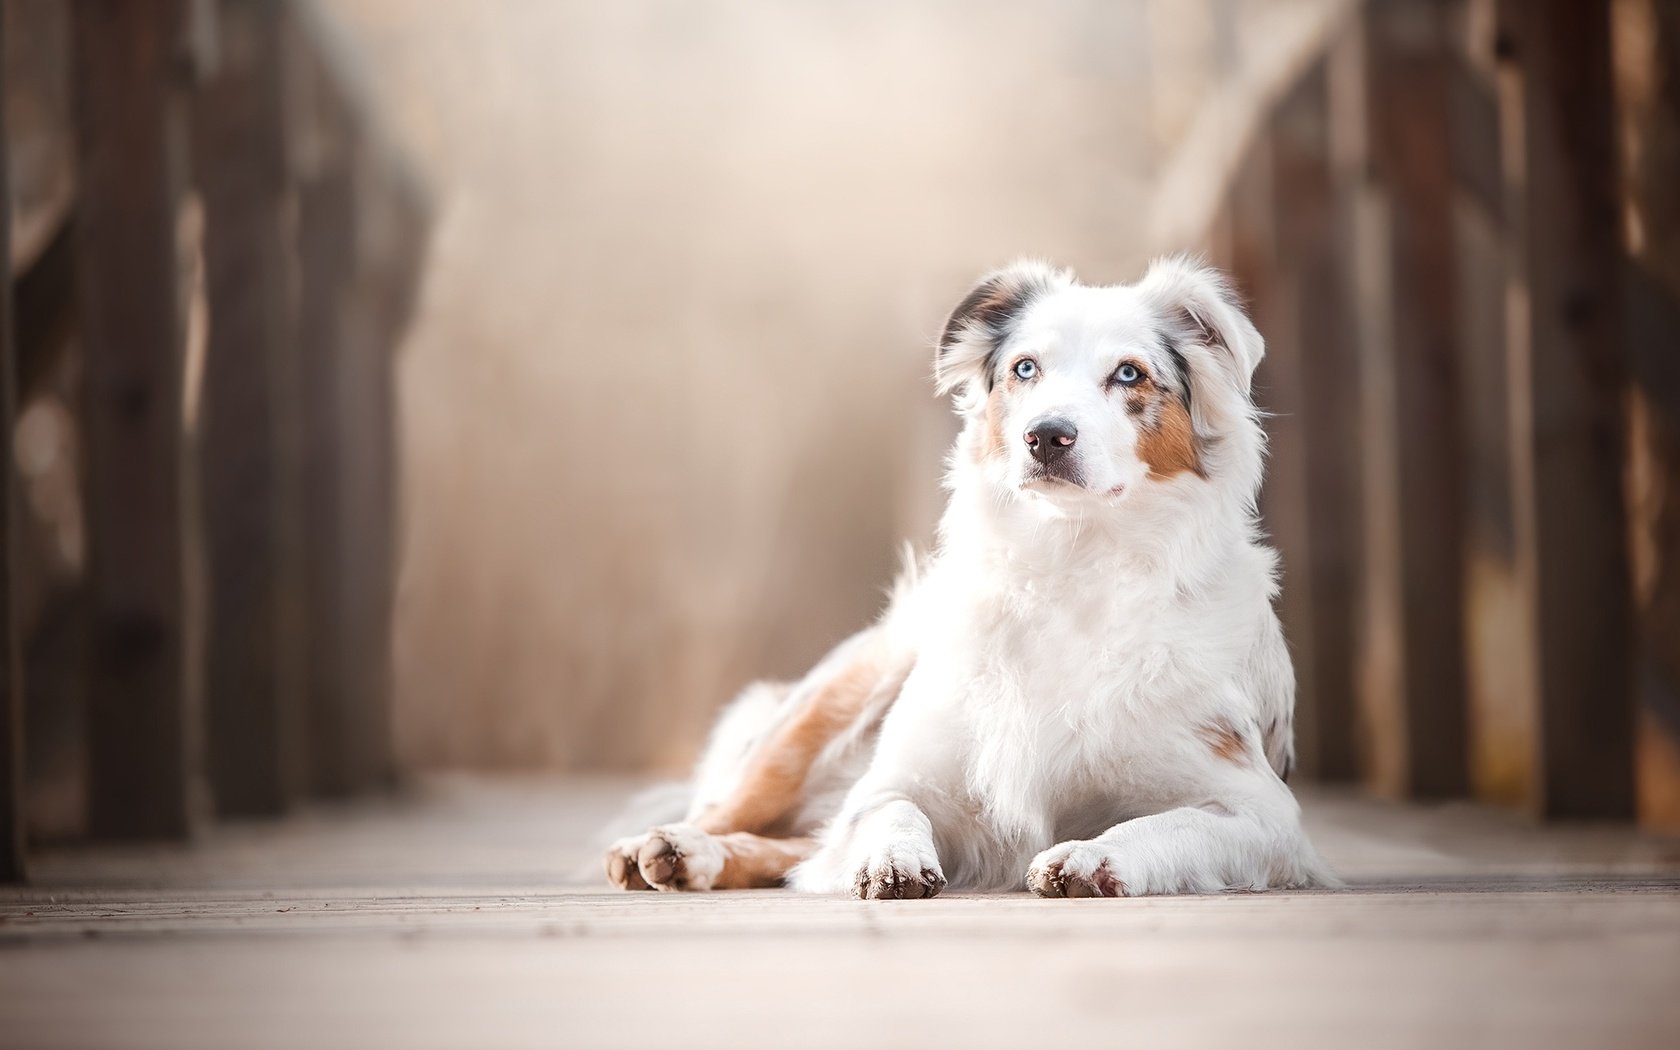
(682, 857)
(857, 682)
(764, 790)
(773, 778)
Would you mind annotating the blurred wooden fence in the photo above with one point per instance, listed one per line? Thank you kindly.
(1459, 224)
(213, 253)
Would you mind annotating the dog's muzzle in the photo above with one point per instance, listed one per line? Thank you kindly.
(1050, 441)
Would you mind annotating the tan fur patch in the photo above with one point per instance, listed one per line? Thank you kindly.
(1226, 741)
(755, 862)
(769, 788)
(1168, 446)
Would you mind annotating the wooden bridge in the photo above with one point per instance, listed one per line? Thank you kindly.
(1457, 224)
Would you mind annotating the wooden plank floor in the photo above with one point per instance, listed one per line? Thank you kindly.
(451, 918)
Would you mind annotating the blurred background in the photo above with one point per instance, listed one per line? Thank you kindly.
(498, 386)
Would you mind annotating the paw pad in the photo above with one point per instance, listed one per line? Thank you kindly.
(622, 869)
(893, 883)
(661, 863)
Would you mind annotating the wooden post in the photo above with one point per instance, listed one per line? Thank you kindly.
(130, 67)
(323, 209)
(368, 467)
(1567, 391)
(1312, 488)
(326, 246)
(349, 338)
(247, 455)
(1649, 96)
(360, 236)
(1413, 673)
(11, 670)
(391, 233)
(1499, 643)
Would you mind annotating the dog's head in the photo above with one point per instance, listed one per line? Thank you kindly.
(1071, 392)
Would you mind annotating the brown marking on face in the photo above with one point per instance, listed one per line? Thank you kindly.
(754, 862)
(771, 785)
(1169, 448)
(1166, 436)
(1226, 740)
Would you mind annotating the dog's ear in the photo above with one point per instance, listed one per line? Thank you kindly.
(968, 347)
(1205, 320)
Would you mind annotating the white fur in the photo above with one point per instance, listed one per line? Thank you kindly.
(1075, 643)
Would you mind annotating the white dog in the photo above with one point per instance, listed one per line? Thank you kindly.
(1085, 691)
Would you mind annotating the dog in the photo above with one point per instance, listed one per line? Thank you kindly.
(1085, 690)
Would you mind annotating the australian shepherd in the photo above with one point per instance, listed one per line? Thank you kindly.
(1084, 691)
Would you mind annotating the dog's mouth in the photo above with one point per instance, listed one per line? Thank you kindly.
(1052, 477)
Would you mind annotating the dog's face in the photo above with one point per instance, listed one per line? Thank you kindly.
(1072, 392)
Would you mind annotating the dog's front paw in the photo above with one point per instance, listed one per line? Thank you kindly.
(679, 857)
(1074, 869)
(900, 871)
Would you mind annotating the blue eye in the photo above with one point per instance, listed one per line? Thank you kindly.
(1129, 374)
(1026, 368)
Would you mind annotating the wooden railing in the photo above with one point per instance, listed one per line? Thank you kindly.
(1458, 227)
(222, 253)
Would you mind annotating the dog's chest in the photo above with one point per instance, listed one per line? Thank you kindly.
(1099, 647)
(1076, 685)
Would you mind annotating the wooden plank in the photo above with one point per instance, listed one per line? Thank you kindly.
(1570, 381)
(218, 945)
(247, 461)
(133, 158)
(1313, 492)
(11, 670)
(1647, 60)
(1413, 679)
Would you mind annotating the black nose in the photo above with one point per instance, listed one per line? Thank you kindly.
(1050, 437)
